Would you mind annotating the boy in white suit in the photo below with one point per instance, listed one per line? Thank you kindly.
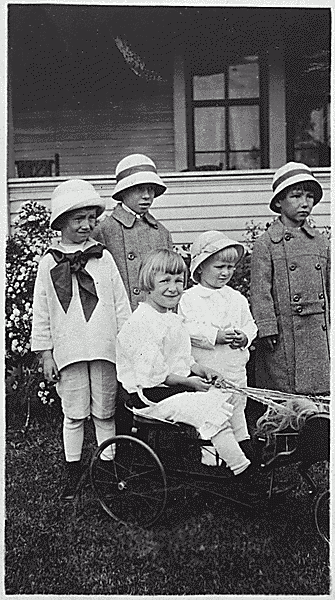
(80, 304)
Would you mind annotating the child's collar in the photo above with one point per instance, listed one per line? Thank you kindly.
(132, 212)
(127, 219)
(277, 230)
(205, 292)
(68, 248)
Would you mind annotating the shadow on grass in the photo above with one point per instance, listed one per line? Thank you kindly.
(201, 545)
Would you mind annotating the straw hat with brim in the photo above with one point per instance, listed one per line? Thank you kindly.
(137, 169)
(72, 195)
(206, 245)
(291, 174)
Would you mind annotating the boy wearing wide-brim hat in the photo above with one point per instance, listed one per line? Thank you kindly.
(219, 320)
(80, 304)
(131, 230)
(290, 285)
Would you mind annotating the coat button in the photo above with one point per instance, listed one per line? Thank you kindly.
(323, 306)
(299, 309)
(324, 327)
(318, 266)
(296, 298)
(287, 237)
(136, 291)
(131, 256)
(292, 267)
(321, 296)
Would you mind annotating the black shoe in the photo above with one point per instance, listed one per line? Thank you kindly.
(73, 473)
(248, 449)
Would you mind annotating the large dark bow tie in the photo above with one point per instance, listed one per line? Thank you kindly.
(73, 264)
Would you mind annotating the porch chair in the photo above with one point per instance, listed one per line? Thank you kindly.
(38, 167)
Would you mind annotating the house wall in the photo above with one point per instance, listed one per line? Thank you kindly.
(194, 202)
(93, 141)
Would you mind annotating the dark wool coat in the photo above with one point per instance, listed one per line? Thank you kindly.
(290, 285)
(128, 239)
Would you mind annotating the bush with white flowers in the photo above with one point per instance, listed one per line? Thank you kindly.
(24, 249)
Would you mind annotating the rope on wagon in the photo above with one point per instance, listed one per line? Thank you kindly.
(283, 410)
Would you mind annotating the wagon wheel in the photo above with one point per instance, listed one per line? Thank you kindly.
(322, 514)
(132, 487)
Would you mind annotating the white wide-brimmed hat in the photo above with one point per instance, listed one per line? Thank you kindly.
(71, 195)
(137, 169)
(290, 174)
(207, 244)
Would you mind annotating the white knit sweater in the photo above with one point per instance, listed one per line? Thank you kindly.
(71, 338)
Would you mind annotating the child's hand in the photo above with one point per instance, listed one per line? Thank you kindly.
(240, 340)
(50, 370)
(225, 336)
(206, 373)
(198, 384)
(271, 341)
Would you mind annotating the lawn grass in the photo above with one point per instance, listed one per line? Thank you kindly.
(202, 545)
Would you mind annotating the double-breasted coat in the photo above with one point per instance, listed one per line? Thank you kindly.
(128, 239)
(290, 288)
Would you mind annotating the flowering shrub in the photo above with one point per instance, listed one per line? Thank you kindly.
(24, 249)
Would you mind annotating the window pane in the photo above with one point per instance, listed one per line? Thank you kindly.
(309, 156)
(244, 127)
(308, 91)
(244, 79)
(311, 129)
(208, 87)
(211, 161)
(209, 128)
(245, 160)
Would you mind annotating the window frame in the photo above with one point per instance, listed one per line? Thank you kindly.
(262, 102)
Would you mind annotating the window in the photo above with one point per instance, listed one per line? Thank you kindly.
(311, 135)
(308, 109)
(226, 118)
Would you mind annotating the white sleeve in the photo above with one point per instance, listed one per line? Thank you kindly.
(121, 301)
(139, 357)
(41, 331)
(248, 325)
(203, 334)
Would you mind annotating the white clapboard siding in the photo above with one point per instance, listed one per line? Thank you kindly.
(90, 142)
(193, 202)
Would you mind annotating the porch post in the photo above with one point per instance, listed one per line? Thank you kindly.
(179, 112)
(277, 105)
(10, 130)
(10, 142)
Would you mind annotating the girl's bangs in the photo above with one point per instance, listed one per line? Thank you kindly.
(171, 263)
(229, 254)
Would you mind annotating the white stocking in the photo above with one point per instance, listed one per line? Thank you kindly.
(229, 450)
(105, 429)
(73, 438)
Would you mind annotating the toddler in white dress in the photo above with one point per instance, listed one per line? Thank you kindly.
(219, 320)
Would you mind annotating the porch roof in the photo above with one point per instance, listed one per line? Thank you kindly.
(67, 54)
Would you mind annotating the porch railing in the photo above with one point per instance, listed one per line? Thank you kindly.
(193, 202)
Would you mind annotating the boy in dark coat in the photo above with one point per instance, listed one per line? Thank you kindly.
(131, 231)
(290, 285)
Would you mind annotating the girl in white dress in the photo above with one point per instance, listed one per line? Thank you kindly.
(219, 320)
(155, 365)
